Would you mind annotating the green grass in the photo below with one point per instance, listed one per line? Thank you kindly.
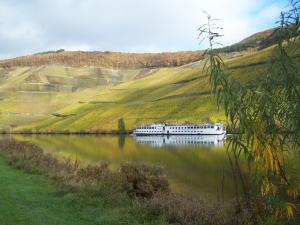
(29, 199)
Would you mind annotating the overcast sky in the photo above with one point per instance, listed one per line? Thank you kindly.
(29, 26)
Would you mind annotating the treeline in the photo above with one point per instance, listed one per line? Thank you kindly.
(257, 40)
(238, 47)
(106, 59)
(287, 32)
(47, 52)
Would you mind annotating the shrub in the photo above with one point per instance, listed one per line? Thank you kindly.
(24, 155)
(143, 180)
(97, 177)
(184, 209)
(96, 173)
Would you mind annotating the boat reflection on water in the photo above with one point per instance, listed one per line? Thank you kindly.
(181, 140)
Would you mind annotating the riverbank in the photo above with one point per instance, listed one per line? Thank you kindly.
(135, 193)
(29, 198)
(140, 188)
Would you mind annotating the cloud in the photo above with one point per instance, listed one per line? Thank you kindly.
(124, 25)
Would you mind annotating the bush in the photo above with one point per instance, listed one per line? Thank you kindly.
(184, 209)
(24, 155)
(143, 180)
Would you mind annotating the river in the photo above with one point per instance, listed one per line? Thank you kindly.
(193, 164)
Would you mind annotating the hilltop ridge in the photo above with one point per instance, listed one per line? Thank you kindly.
(106, 59)
(121, 60)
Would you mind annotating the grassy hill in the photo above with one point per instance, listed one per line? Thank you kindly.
(61, 97)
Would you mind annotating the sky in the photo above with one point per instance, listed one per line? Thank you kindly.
(30, 26)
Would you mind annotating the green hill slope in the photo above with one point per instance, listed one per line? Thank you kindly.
(28, 94)
(176, 94)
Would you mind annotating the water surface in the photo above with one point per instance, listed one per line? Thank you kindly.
(193, 164)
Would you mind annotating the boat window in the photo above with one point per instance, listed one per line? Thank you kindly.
(212, 127)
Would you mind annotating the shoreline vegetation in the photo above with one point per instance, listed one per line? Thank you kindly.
(145, 185)
(83, 132)
(29, 198)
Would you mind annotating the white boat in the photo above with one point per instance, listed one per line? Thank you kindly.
(180, 129)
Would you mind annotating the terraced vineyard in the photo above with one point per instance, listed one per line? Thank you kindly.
(64, 98)
(32, 93)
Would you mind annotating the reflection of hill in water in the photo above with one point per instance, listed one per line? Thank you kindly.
(181, 140)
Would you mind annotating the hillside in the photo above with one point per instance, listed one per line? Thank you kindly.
(178, 94)
(105, 59)
(58, 97)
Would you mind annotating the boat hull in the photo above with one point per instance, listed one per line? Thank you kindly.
(166, 134)
(185, 129)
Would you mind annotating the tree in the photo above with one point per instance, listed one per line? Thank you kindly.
(121, 126)
(265, 111)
